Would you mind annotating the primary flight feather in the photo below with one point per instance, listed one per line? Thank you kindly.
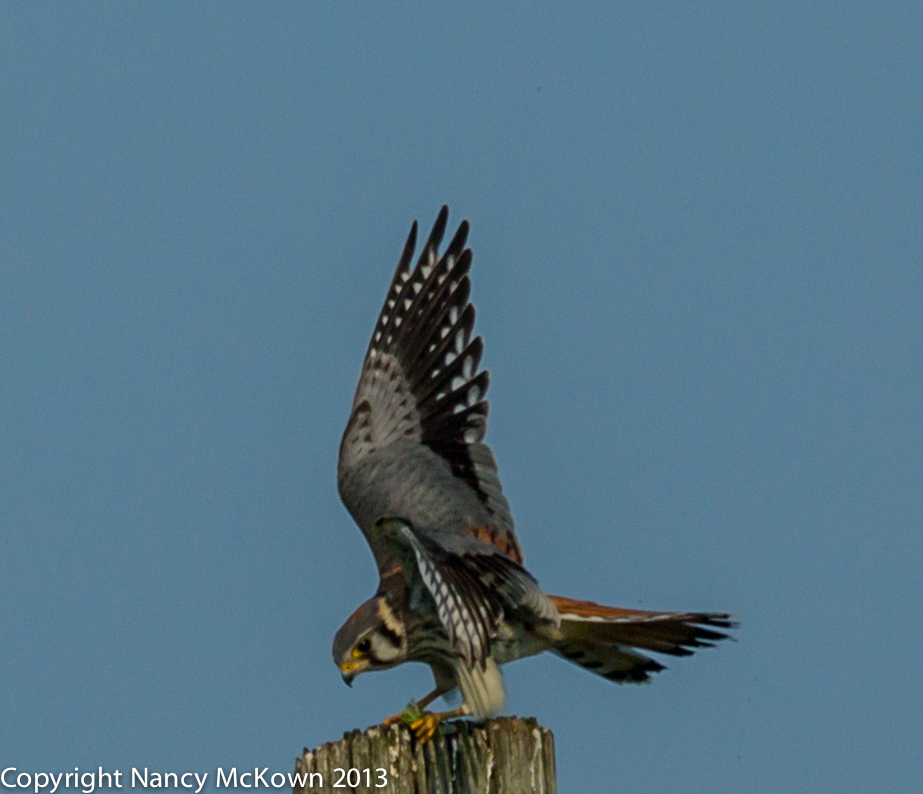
(415, 474)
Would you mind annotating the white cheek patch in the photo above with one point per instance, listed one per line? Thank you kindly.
(385, 651)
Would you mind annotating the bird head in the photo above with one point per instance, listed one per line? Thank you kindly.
(372, 638)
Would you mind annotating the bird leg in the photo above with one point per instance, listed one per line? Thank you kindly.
(425, 727)
(422, 703)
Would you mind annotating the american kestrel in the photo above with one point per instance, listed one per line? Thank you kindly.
(415, 474)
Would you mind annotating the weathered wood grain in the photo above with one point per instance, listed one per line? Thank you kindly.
(506, 755)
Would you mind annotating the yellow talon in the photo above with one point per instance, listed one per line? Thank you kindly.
(424, 724)
(425, 727)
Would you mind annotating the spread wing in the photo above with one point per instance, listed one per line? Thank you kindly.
(413, 446)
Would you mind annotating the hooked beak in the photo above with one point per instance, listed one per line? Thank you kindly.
(349, 670)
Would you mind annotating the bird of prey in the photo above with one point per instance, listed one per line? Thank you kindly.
(415, 474)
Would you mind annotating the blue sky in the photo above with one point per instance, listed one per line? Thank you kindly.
(697, 236)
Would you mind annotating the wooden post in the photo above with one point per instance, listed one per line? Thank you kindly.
(506, 755)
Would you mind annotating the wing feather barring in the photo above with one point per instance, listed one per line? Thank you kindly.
(417, 477)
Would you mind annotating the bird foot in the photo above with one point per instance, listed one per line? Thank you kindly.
(425, 727)
(429, 722)
(424, 724)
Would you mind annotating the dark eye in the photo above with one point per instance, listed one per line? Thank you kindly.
(364, 646)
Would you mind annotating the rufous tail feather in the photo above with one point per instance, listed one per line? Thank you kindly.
(603, 639)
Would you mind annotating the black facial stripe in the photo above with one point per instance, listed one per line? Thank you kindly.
(392, 636)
